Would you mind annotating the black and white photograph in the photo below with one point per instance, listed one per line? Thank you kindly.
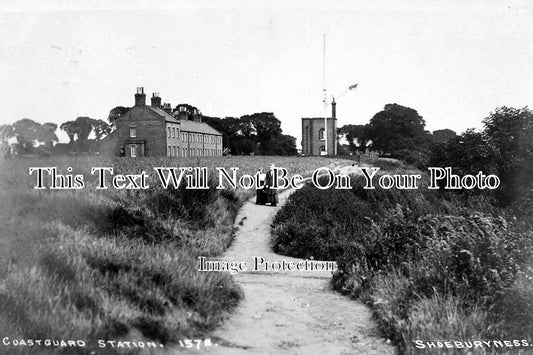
(251, 177)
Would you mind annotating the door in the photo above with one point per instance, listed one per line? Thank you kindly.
(133, 150)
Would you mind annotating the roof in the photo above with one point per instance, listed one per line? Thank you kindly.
(317, 118)
(185, 125)
(168, 118)
(198, 127)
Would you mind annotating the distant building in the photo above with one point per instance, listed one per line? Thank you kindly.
(155, 131)
(313, 134)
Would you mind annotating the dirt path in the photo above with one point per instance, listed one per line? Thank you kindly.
(290, 312)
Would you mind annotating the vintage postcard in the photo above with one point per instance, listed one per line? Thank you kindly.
(266, 177)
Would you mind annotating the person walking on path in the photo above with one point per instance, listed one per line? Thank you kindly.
(261, 198)
(271, 193)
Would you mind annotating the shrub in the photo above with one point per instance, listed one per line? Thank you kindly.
(424, 259)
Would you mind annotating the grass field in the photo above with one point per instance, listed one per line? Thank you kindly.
(115, 264)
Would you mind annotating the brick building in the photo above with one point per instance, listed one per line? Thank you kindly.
(313, 139)
(154, 131)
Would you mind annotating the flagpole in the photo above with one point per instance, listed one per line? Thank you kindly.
(324, 92)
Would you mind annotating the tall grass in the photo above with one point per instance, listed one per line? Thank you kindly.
(434, 265)
(115, 264)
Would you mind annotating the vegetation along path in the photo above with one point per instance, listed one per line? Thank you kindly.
(290, 312)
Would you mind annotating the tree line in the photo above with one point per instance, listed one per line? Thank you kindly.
(503, 147)
(258, 133)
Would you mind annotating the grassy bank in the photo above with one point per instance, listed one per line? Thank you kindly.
(118, 264)
(432, 264)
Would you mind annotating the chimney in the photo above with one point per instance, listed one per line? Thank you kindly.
(333, 109)
(197, 116)
(156, 100)
(167, 108)
(140, 97)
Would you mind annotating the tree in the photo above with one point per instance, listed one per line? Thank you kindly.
(115, 114)
(467, 153)
(49, 135)
(245, 128)
(79, 130)
(509, 132)
(227, 126)
(6, 132)
(101, 129)
(265, 126)
(353, 134)
(258, 133)
(70, 129)
(83, 126)
(186, 108)
(397, 128)
(27, 132)
(282, 145)
(443, 135)
(242, 146)
(504, 148)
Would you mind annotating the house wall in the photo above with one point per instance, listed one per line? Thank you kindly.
(200, 144)
(173, 142)
(212, 145)
(157, 135)
(311, 141)
(150, 127)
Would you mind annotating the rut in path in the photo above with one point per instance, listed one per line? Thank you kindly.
(292, 312)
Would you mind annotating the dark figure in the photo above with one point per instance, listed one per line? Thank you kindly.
(271, 193)
(260, 198)
(122, 151)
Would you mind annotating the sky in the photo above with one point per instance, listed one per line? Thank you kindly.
(452, 61)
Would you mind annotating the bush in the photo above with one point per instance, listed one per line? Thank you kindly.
(424, 259)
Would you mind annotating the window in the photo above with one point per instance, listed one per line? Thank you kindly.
(184, 153)
(133, 150)
(322, 150)
(321, 134)
(168, 132)
(169, 152)
(174, 132)
(133, 132)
